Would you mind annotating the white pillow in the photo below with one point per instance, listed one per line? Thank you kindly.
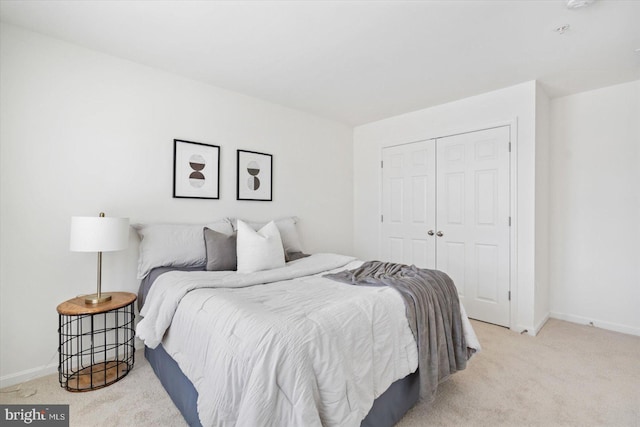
(288, 232)
(174, 245)
(259, 250)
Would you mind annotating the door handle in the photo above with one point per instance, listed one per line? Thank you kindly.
(439, 234)
(430, 232)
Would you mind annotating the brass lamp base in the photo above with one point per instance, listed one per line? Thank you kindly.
(96, 298)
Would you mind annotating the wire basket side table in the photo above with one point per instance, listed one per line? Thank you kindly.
(96, 342)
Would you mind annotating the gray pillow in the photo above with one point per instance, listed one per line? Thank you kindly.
(292, 256)
(221, 250)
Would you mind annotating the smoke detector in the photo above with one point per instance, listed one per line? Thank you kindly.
(577, 4)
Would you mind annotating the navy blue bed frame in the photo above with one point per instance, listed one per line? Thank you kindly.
(387, 409)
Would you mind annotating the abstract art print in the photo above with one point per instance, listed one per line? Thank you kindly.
(196, 170)
(255, 175)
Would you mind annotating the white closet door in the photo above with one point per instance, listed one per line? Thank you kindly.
(473, 220)
(408, 204)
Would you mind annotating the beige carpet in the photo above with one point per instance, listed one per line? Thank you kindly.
(569, 375)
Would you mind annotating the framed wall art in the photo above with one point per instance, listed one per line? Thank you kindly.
(255, 176)
(196, 170)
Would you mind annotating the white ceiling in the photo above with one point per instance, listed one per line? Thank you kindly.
(356, 61)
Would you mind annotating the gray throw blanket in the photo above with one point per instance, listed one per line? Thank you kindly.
(433, 312)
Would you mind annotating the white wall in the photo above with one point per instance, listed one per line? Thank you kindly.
(542, 282)
(83, 132)
(515, 105)
(595, 207)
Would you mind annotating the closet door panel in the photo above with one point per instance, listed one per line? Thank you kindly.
(458, 188)
(408, 204)
(452, 260)
(396, 249)
(473, 220)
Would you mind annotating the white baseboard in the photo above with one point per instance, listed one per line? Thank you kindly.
(27, 374)
(541, 324)
(30, 374)
(532, 331)
(616, 327)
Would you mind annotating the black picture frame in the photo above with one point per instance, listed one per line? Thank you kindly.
(254, 176)
(199, 179)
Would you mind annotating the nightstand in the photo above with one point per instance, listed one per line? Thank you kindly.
(97, 346)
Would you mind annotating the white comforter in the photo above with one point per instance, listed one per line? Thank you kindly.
(301, 350)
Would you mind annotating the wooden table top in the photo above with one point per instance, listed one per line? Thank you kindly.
(77, 306)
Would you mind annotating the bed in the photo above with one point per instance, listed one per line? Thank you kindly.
(279, 346)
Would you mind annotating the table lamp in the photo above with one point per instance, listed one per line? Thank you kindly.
(98, 234)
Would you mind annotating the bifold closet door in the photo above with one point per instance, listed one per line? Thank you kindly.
(408, 204)
(473, 197)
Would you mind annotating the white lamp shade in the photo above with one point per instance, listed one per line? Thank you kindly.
(98, 234)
